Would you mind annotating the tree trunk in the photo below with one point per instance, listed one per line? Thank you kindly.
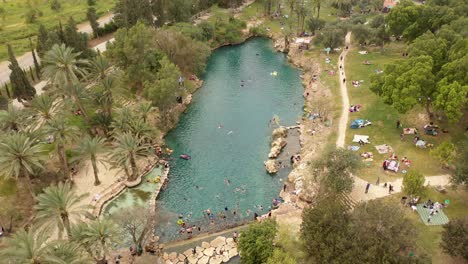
(428, 111)
(134, 167)
(95, 170)
(318, 10)
(63, 160)
(28, 183)
(76, 98)
(66, 223)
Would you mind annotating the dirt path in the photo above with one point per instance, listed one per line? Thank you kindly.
(340, 141)
(26, 60)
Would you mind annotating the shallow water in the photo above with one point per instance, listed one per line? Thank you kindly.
(226, 131)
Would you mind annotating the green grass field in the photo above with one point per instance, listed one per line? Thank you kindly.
(383, 129)
(15, 30)
(429, 236)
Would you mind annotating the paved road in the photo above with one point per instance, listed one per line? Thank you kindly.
(26, 60)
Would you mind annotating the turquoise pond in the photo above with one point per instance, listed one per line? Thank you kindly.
(226, 132)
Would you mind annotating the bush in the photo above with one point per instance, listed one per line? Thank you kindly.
(30, 16)
(258, 31)
(55, 5)
(413, 184)
(91, 2)
(256, 243)
(445, 153)
(108, 28)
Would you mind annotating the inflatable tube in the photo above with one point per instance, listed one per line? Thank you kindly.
(180, 222)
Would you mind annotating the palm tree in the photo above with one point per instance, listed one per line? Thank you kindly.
(142, 130)
(20, 156)
(66, 252)
(43, 106)
(95, 237)
(61, 132)
(12, 119)
(121, 122)
(26, 247)
(100, 67)
(144, 109)
(90, 148)
(63, 68)
(129, 148)
(58, 205)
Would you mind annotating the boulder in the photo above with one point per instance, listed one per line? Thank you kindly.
(192, 260)
(165, 256)
(181, 257)
(199, 249)
(205, 244)
(233, 252)
(204, 260)
(271, 166)
(218, 242)
(226, 258)
(229, 240)
(173, 256)
(276, 146)
(216, 259)
(188, 252)
(280, 132)
(209, 252)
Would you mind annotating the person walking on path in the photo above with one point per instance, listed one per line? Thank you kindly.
(367, 188)
(398, 124)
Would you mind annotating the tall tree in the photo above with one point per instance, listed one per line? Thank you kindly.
(58, 206)
(62, 133)
(12, 119)
(256, 243)
(129, 12)
(26, 247)
(63, 67)
(324, 230)
(96, 237)
(455, 238)
(89, 149)
(179, 10)
(44, 108)
(20, 157)
(130, 148)
(37, 67)
(164, 91)
(66, 252)
(413, 184)
(159, 11)
(76, 40)
(377, 219)
(22, 88)
(334, 170)
(92, 18)
(134, 224)
(406, 84)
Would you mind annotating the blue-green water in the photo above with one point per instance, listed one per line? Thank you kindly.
(226, 132)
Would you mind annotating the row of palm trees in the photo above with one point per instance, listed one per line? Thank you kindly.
(77, 86)
(59, 209)
(82, 117)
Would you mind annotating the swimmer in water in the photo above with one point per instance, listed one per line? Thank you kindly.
(220, 126)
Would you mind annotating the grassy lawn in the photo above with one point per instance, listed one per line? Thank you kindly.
(15, 30)
(383, 129)
(429, 236)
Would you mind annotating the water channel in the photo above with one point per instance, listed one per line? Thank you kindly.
(227, 133)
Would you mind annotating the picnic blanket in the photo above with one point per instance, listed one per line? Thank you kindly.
(364, 138)
(354, 148)
(393, 165)
(383, 149)
(409, 130)
(421, 143)
(437, 219)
